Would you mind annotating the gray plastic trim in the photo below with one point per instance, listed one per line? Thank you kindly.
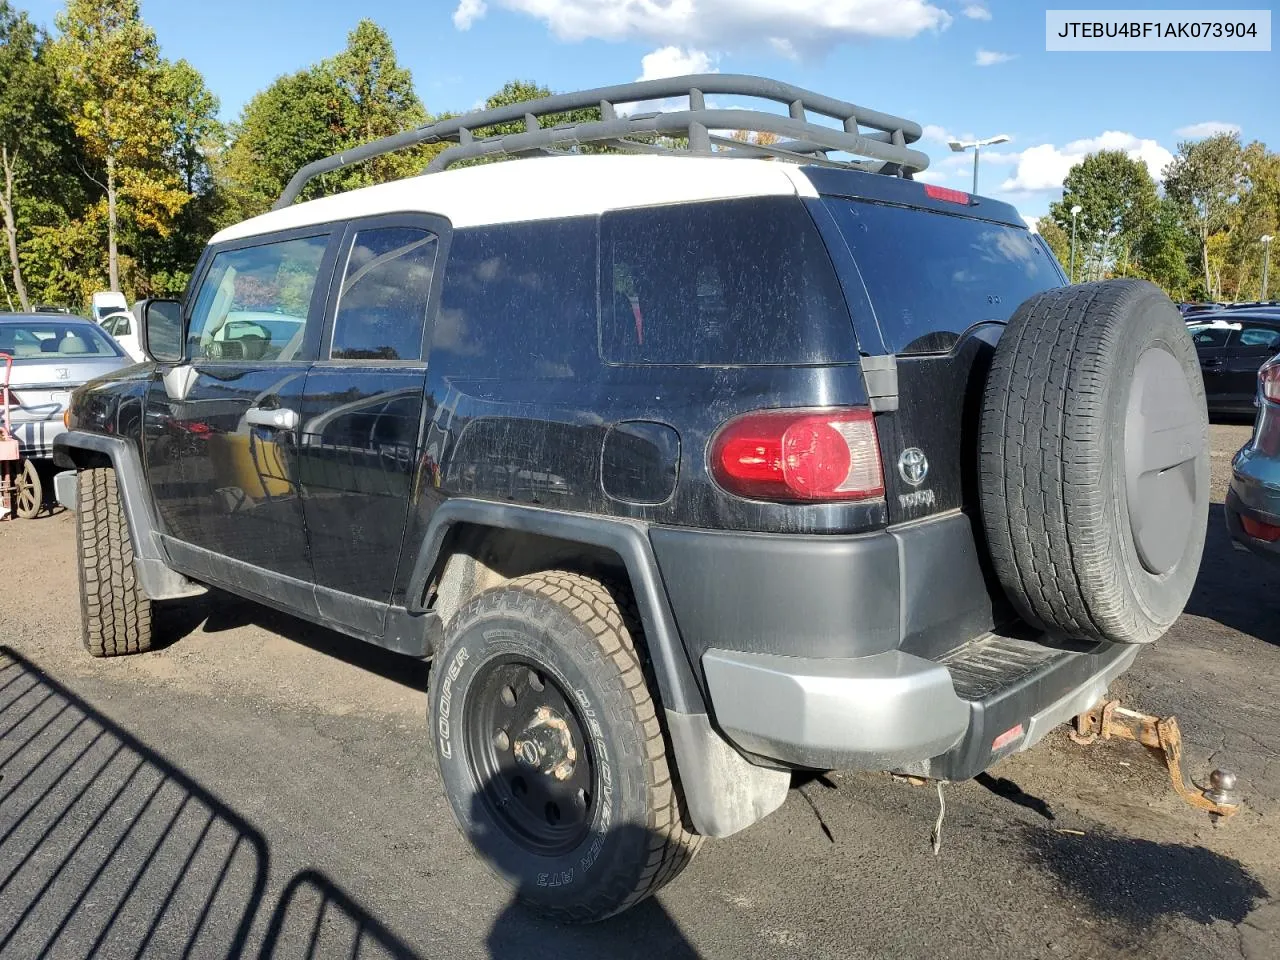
(881, 374)
(723, 792)
(871, 713)
(158, 580)
(1078, 700)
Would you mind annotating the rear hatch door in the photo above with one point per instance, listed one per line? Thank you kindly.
(933, 291)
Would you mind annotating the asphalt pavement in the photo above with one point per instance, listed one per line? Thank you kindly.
(264, 788)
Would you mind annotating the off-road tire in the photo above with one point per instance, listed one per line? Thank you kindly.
(1094, 462)
(115, 614)
(572, 626)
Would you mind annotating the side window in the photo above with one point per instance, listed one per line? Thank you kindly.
(1211, 336)
(1258, 339)
(727, 282)
(253, 304)
(121, 328)
(382, 307)
(519, 300)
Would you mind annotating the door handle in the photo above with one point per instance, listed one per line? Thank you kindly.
(277, 418)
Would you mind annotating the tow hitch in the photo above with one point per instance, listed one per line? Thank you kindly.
(1161, 736)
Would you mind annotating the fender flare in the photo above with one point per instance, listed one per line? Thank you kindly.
(723, 791)
(158, 580)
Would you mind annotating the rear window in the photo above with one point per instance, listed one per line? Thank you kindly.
(723, 283)
(931, 276)
(41, 339)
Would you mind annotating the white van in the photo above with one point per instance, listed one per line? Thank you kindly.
(106, 302)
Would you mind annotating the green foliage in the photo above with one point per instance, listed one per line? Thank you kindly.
(1164, 251)
(1119, 200)
(1204, 180)
(358, 96)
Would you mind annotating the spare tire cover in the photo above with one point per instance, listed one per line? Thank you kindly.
(1094, 462)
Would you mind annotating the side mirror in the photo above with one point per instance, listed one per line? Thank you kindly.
(160, 332)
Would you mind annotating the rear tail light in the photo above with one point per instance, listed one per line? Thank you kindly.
(804, 455)
(1269, 379)
(1260, 530)
(946, 193)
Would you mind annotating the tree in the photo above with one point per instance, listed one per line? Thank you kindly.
(1204, 179)
(29, 125)
(107, 63)
(1119, 199)
(1164, 251)
(359, 95)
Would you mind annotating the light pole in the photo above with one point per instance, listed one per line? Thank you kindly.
(1075, 212)
(977, 145)
(1266, 260)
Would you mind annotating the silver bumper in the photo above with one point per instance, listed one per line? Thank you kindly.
(875, 712)
(64, 489)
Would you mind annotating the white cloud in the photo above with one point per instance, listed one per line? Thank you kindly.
(976, 11)
(468, 12)
(674, 62)
(1045, 166)
(989, 58)
(1210, 128)
(812, 24)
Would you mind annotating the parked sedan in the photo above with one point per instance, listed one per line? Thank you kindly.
(52, 355)
(1253, 499)
(1233, 345)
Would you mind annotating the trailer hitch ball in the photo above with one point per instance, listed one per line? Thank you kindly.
(1222, 789)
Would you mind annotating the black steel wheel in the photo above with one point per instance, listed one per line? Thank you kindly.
(551, 750)
(527, 747)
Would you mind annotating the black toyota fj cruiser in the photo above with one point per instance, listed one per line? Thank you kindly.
(688, 471)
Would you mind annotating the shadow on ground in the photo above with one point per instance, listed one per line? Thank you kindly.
(1237, 589)
(216, 611)
(1141, 881)
(108, 849)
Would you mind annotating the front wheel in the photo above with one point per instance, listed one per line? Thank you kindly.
(29, 491)
(551, 751)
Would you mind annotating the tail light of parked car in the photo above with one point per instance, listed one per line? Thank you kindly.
(1269, 379)
(800, 455)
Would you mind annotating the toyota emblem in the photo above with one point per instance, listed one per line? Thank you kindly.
(913, 466)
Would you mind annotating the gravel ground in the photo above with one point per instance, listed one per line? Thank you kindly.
(261, 787)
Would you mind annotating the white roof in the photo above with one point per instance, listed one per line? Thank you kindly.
(544, 188)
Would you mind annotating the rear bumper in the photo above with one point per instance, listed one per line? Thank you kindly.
(894, 711)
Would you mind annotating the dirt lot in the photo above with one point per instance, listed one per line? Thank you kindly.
(263, 787)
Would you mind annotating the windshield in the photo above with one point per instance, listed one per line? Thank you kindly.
(42, 339)
(931, 276)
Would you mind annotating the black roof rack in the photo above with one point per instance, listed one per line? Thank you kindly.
(879, 138)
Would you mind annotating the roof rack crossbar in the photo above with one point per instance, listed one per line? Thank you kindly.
(883, 141)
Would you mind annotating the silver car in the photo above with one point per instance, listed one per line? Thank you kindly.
(52, 355)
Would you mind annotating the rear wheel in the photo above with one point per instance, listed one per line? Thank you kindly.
(115, 613)
(551, 751)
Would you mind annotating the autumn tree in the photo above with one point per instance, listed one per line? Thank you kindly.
(1203, 180)
(31, 132)
(1059, 240)
(110, 83)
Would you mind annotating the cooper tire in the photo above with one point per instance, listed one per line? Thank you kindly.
(115, 614)
(567, 634)
(1094, 462)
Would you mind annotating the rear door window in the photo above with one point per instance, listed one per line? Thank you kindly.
(1258, 339)
(1207, 337)
(722, 283)
(382, 307)
(931, 276)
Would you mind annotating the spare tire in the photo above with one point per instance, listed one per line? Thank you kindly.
(1094, 462)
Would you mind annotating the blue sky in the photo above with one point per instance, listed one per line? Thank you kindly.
(916, 58)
